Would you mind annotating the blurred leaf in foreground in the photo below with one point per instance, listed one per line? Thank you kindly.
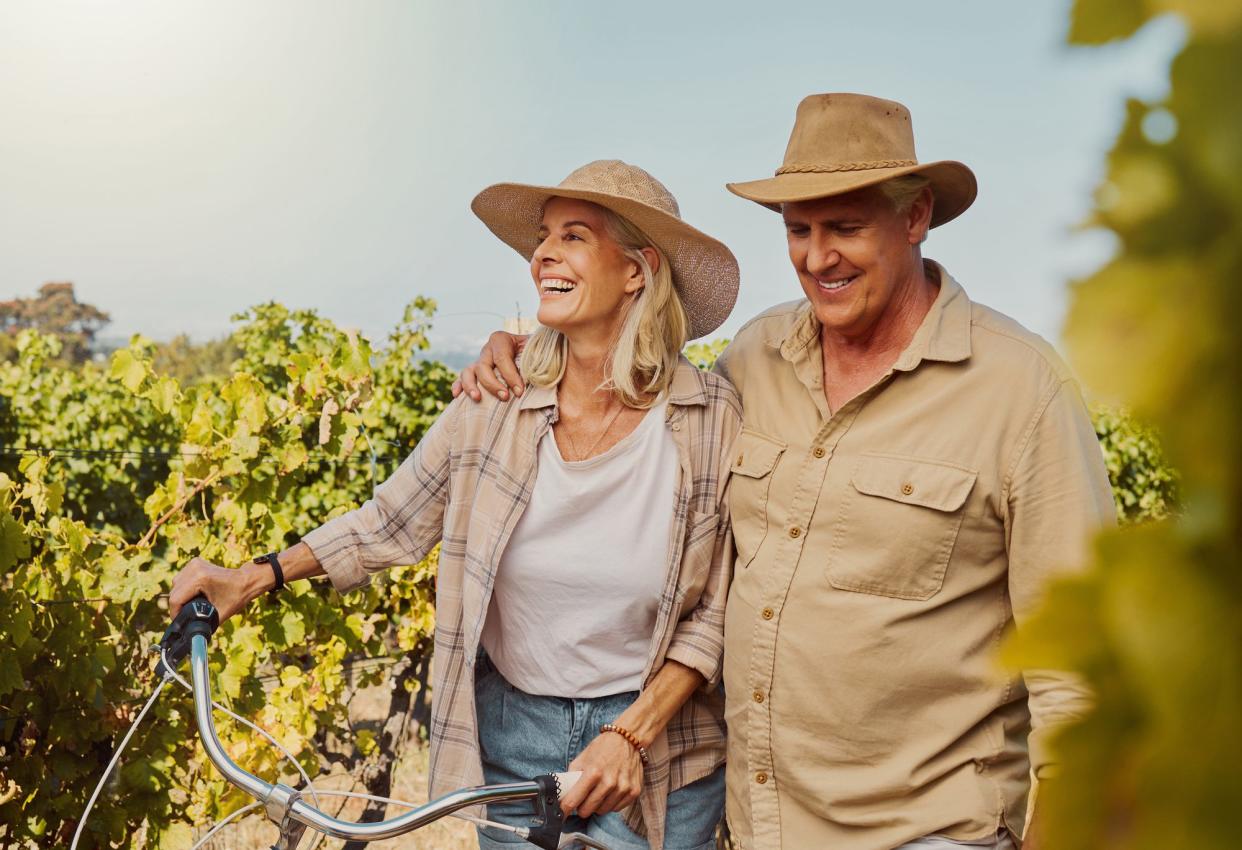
(1156, 624)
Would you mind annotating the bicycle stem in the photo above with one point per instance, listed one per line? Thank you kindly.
(283, 804)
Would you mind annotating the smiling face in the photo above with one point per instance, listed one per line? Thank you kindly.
(583, 276)
(856, 256)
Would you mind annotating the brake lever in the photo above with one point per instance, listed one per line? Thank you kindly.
(197, 617)
(548, 834)
(548, 811)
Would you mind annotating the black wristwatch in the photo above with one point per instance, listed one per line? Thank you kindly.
(270, 558)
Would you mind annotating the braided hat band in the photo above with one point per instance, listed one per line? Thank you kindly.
(845, 166)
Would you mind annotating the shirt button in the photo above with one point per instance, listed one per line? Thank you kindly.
(819, 451)
(739, 459)
(676, 426)
(907, 488)
(761, 777)
(767, 613)
(795, 532)
(758, 695)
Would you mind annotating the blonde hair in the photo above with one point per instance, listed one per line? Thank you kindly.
(650, 337)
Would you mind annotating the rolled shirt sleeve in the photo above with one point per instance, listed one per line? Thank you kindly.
(698, 641)
(401, 524)
(1058, 498)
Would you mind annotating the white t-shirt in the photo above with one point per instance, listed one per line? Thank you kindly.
(574, 604)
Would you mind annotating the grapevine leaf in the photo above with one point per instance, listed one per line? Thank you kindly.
(293, 456)
(179, 834)
(293, 626)
(164, 395)
(11, 678)
(245, 444)
(19, 620)
(129, 370)
(123, 578)
(14, 544)
(330, 409)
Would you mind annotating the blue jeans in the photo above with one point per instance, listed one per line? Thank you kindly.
(522, 736)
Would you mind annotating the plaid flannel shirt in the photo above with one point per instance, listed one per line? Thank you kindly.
(465, 486)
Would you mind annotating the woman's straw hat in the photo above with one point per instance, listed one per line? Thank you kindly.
(843, 142)
(705, 272)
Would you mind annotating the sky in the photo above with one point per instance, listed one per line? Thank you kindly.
(181, 161)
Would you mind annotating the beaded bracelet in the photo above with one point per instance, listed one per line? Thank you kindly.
(630, 738)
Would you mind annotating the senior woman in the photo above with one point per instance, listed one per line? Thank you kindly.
(585, 555)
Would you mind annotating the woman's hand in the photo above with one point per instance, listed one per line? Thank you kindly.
(232, 590)
(228, 590)
(612, 777)
(612, 772)
(496, 369)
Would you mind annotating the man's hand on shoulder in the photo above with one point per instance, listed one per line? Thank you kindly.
(496, 371)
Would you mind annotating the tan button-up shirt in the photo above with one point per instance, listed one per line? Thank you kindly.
(882, 553)
(466, 485)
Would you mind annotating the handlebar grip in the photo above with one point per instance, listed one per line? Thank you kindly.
(197, 617)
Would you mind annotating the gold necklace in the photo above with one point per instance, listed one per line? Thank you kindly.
(573, 445)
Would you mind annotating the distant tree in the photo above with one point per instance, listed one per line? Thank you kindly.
(191, 362)
(57, 312)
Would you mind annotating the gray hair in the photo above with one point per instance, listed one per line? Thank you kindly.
(902, 191)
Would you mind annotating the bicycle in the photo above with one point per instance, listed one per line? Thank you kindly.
(287, 807)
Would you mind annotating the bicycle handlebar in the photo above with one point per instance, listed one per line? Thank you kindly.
(196, 617)
(284, 805)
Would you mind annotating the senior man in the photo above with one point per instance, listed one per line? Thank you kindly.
(912, 469)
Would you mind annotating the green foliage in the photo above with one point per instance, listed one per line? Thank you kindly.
(46, 403)
(306, 423)
(1156, 625)
(704, 354)
(1144, 485)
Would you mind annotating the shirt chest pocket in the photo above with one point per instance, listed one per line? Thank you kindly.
(754, 458)
(897, 526)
